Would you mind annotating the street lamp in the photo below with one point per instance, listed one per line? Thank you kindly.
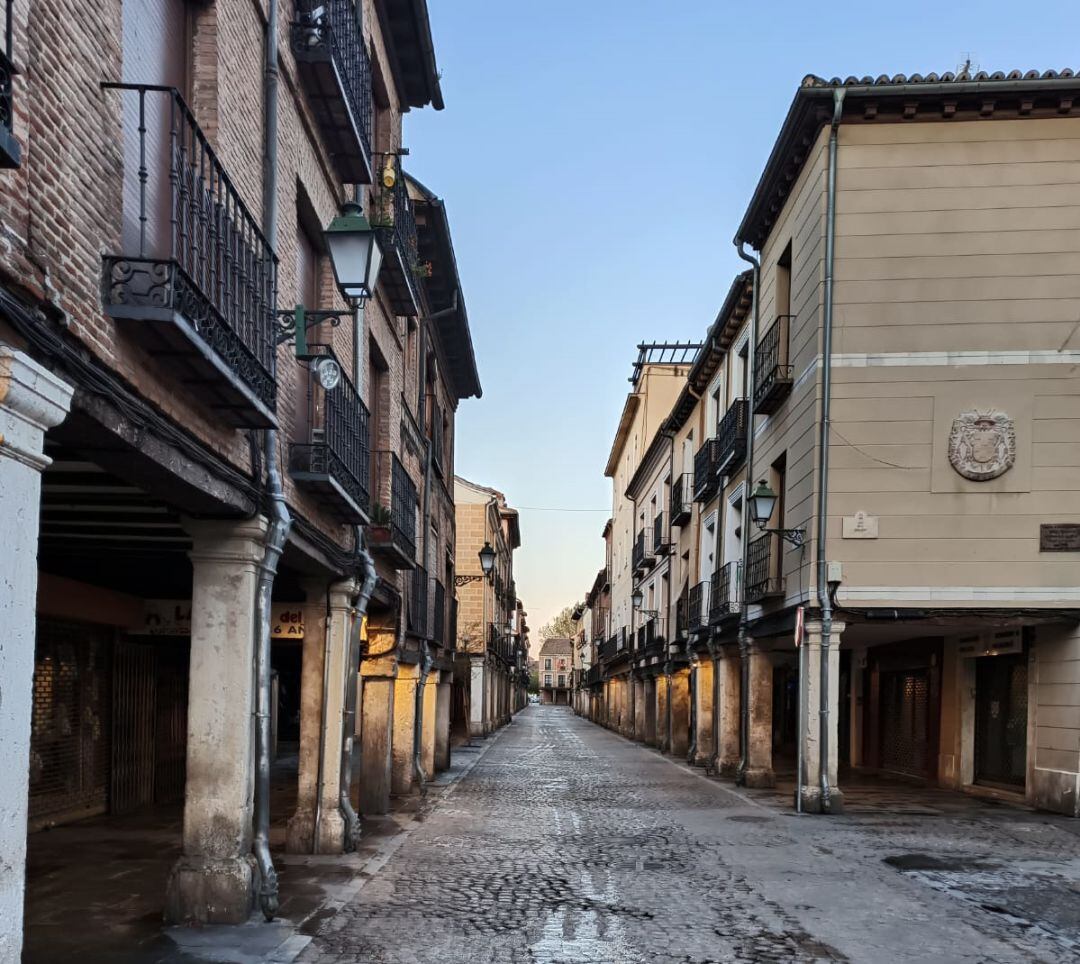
(762, 502)
(637, 598)
(487, 559)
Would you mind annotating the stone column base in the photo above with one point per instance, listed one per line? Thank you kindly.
(759, 777)
(211, 890)
(728, 768)
(300, 832)
(811, 800)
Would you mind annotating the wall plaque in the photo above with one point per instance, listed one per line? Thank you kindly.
(1059, 537)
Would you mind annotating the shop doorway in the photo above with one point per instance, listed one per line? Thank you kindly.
(1001, 705)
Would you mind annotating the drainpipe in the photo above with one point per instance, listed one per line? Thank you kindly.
(744, 620)
(823, 448)
(367, 587)
(425, 650)
(321, 779)
(278, 531)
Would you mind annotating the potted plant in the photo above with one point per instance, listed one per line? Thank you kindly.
(379, 527)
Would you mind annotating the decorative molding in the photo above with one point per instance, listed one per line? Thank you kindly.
(465, 580)
(944, 594)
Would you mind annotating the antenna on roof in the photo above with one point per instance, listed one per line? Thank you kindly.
(964, 71)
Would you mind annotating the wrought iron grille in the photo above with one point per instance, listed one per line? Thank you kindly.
(340, 444)
(437, 629)
(654, 636)
(403, 506)
(193, 246)
(682, 614)
(418, 602)
(772, 367)
(731, 437)
(682, 499)
(639, 549)
(706, 481)
(640, 640)
(761, 564)
(437, 433)
(609, 647)
(660, 539)
(394, 220)
(724, 594)
(336, 25)
(695, 617)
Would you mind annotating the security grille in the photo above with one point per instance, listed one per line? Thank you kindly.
(1001, 703)
(905, 709)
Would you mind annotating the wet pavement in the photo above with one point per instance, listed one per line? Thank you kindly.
(567, 843)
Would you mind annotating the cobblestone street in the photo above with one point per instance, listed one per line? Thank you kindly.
(567, 843)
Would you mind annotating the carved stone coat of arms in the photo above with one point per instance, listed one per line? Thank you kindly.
(982, 445)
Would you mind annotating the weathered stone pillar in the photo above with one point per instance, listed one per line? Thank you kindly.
(477, 695)
(650, 710)
(212, 882)
(679, 699)
(300, 832)
(729, 687)
(759, 768)
(32, 400)
(377, 719)
(630, 686)
(812, 800)
(442, 721)
(430, 725)
(403, 776)
(703, 713)
(663, 694)
(639, 708)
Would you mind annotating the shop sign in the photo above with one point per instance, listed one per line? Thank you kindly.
(172, 617)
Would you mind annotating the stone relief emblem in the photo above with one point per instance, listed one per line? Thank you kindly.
(982, 445)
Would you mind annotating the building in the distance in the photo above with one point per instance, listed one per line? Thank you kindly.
(556, 663)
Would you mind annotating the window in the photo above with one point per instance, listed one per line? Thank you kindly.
(783, 282)
(778, 480)
(547, 662)
(547, 679)
(562, 680)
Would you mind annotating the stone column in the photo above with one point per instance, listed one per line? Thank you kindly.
(663, 692)
(476, 695)
(377, 720)
(403, 777)
(442, 722)
(649, 685)
(679, 698)
(631, 706)
(300, 833)
(730, 685)
(430, 725)
(639, 709)
(32, 400)
(703, 713)
(213, 880)
(812, 800)
(759, 769)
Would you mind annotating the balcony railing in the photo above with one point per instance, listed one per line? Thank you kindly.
(763, 568)
(682, 502)
(437, 433)
(706, 481)
(724, 594)
(332, 61)
(655, 640)
(772, 367)
(195, 281)
(10, 152)
(697, 616)
(392, 533)
(661, 536)
(682, 618)
(641, 556)
(592, 675)
(336, 463)
(394, 222)
(610, 647)
(418, 603)
(731, 437)
(439, 614)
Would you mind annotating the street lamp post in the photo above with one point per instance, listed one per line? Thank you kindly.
(762, 503)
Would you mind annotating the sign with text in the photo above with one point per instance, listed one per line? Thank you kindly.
(1059, 537)
(172, 617)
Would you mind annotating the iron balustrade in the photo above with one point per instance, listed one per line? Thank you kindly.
(682, 502)
(639, 640)
(724, 593)
(328, 43)
(437, 433)
(609, 648)
(682, 620)
(438, 627)
(731, 437)
(395, 225)
(392, 532)
(695, 617)
(772, 367)
(592, 675)
(639, 555)
(418, 602)
(661, 537)
(762, 566)
(654, 636)
(10, 151)
(192, 247)
(339, 448)
(706, 480)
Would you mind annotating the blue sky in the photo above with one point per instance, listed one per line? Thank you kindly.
(596, 157)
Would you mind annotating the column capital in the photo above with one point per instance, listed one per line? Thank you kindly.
(32, 400)
(226, 540)
(813, 628)
(342, 593)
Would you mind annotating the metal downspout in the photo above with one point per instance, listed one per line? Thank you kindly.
(425, 649)
(744, 621)
(321, 777)
(280, 522)
(823, 450)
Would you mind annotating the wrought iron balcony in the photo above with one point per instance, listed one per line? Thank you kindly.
(336, 461)
(682, 503)
(333, 65)
(592, 675)
(641, 556)
(682, 619)
(392, 532)
(696, 617)
(724, 594)
(417, 621)
(731, 437)
(763, 568)
(772, 367)
(10, 152)
(392, 216)
(661, 537)
(438, 627)
(438, 439)
(706, 480)
(655, 639)
(195, 281)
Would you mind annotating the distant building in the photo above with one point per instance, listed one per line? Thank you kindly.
(556, 658)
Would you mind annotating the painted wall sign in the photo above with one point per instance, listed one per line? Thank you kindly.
(172, 617)
(1059, 537)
